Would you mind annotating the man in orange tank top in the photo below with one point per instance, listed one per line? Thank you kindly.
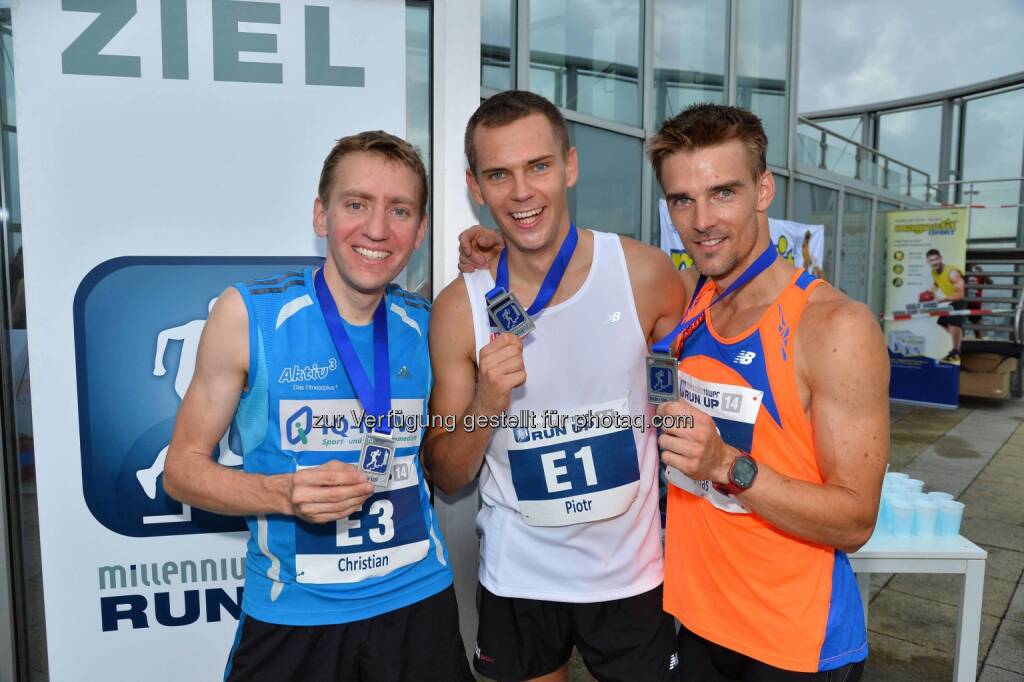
(779, 476)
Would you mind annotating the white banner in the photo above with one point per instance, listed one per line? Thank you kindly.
(150, 134)
(802, 245)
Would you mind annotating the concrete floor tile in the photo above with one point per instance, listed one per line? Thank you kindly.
(1007, 650)
(991, 532)
(925, 622)
(1013, 447)
(895, 660)
(1003, 564)
(1003, 469)
(946, 589)
(998, 501)
(990, 673)
(1016, 609)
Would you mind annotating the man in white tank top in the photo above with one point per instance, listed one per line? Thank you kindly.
(557, 423)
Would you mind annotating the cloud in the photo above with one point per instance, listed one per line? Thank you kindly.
(864, 51)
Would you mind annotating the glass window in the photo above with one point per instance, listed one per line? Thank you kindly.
(913, 137)
(689, 54)
(993, 141)
(778, 206)
(816, 205)
(878, 268)
(416, 276)
(585, 56)
(853, 256)
(762, 69)
(849, 128)
(496, 37)
(607, 195)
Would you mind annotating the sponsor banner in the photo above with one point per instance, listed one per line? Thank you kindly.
(166, 150)
(925, 281)
(802, 245)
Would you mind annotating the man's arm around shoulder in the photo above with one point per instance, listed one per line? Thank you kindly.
(320, 494)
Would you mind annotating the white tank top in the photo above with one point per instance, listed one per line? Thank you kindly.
(570, 510)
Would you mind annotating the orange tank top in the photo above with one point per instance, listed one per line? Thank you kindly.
(730, 576)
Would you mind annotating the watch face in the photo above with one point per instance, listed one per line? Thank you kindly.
(744, 471)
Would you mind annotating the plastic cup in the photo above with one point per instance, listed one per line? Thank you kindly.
(914, 484)
(914, 497)
(896, 476)
(886, 505)
(936, 496)
(951, 513)
(926, 513)
(901, 511)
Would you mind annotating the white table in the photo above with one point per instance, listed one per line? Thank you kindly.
(885, 553)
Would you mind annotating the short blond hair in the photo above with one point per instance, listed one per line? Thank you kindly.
(378, 142)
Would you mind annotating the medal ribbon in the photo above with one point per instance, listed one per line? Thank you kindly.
(551, 279)
(686, 327)
(375, 398)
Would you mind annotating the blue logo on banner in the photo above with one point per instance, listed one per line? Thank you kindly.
(137, 326)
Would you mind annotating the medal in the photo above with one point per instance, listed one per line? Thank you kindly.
(378, 452)
(507, 313)
(376, 458)
(660, 387)
(505, 310)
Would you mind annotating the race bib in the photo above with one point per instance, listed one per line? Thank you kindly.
(388, 532)
(734, 410)
(584, 469)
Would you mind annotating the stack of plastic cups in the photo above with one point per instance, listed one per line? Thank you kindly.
(901, 515)
(926, 514)
(892, 485)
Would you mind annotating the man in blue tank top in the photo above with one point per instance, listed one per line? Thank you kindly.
(326, 374)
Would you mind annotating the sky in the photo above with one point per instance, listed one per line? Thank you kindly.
(863, 51)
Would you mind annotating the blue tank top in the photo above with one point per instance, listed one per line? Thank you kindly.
(300, 410)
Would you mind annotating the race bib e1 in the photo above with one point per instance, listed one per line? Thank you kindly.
(734, 410)
(388, 532)
(585, 469)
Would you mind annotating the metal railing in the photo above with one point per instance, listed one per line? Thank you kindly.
(869, 165)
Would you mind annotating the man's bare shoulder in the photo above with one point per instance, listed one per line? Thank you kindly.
(648, 265)
(835, 329)
(451, 323)
(226, 333)
(831, 313)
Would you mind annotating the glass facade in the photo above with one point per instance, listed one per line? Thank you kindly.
(912, 137)
(497, 39)
(763, 42)
(607, 160)
(778, 205)
(585, 56)
(993, 149)
(878, 262)
(690, 42)
(816, 205)
(853, 273)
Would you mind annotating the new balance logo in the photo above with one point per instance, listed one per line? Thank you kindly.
(613, 317)
(745, 357)
(673, 661)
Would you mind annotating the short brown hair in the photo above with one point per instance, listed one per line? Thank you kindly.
(384, 144)
(508, 107)
(706, 125)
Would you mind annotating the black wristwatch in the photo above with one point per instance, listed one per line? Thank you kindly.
(742, 474)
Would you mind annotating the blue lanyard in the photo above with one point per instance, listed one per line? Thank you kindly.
(689, 325)
(376, 398)
(551, 280)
